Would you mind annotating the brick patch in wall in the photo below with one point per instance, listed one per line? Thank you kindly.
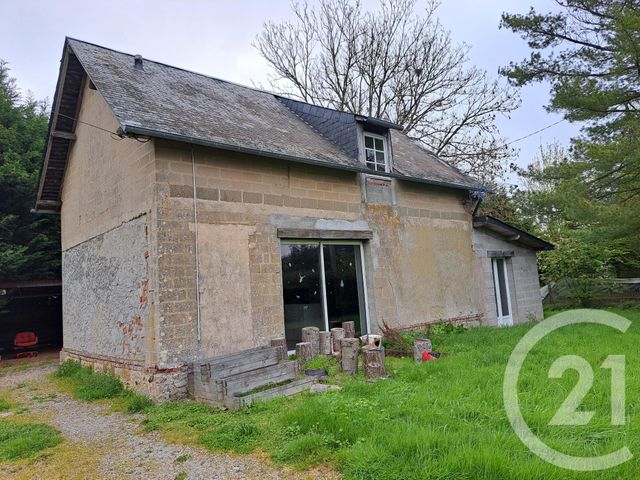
(161, 384)
(236, 196)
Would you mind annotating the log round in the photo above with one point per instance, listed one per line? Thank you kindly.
(420, 346)
(373, 362)
(325, 343)
(304, 352)
(337, 334)
(349, 358)
(281, 344)
(349, 329)
(312, 335)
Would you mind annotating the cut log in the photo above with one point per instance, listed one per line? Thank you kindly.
(281, 345)
(349, 359)
(349, 329)
(420, 346)
(337, 334)
(325, 343)
(373, 362)
(312, 335)
(304, 351)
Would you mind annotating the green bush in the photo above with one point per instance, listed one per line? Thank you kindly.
(22, 441)
(4, 405)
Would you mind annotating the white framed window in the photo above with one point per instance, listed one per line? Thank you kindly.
(502, 294)
(376, 152)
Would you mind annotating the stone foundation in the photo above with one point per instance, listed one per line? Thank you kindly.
(162, 385)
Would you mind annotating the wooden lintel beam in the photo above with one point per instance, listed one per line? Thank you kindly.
(65, 135)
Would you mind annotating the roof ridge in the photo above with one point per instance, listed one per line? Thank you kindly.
(254, 89)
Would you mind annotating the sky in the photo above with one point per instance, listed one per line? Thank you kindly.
(215, 37)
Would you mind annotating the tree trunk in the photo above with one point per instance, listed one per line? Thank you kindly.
(337, 334)
(312, 335)
(373, 362)
(325, 343)
(420, 346)
(281, 344)
(305, 353)
(349, 329)
(349, 359)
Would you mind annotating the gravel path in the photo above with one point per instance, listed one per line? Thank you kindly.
(124, 452)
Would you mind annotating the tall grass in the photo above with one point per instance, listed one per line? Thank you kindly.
(440, 420)
(19, 441)
(85, 384)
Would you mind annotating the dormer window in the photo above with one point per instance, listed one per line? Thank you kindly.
(375, 152)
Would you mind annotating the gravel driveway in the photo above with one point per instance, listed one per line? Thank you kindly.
(125, 453)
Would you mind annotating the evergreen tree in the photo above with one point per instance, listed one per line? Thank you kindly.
(29, 243)
(589, 52)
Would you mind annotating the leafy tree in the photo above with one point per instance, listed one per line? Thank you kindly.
(29, 243)
(589, 52)
(393, 63)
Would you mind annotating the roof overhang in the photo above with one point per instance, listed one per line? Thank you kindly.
(134, 130)
(61, 133)
(511, 233)
(377, 122)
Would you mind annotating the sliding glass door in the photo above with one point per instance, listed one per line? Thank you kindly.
(323, 286)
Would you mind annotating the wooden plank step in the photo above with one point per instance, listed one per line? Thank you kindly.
(238, 363)
(291, 388)
(245, 382)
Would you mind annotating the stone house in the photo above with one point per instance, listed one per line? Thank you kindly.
(200, 218)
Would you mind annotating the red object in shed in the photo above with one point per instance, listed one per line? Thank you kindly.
(25, 339)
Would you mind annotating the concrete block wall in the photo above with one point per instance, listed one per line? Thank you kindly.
(243, 200)
(522, 269)
(108, 181)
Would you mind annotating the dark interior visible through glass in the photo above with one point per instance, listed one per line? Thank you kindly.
(502, 285)
(343, 280)
(303, 290)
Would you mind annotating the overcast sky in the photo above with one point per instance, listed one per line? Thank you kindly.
(215, 37)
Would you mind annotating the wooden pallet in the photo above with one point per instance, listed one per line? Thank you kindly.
(229, 380)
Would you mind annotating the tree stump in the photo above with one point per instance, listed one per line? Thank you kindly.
(373, 362)
(420, 346)
(349, 329)
(349, 358)
(325, 343)
(337, 334)
(304, 351)
(281, 344)
(312, 335)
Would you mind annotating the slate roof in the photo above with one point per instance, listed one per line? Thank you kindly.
(168, 102)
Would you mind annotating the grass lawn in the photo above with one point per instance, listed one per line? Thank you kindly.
(440, 420)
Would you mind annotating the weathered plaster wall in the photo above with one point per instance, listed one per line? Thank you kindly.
(522, 269)
(110, 255)
(420, 265)
(105, 284)
(108, 180)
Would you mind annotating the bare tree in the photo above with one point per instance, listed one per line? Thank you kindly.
(394, 64)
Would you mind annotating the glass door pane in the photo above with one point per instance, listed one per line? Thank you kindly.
(502, 280)
(344, 285)
(301, 290)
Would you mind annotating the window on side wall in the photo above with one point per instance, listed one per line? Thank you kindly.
(375, 152)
